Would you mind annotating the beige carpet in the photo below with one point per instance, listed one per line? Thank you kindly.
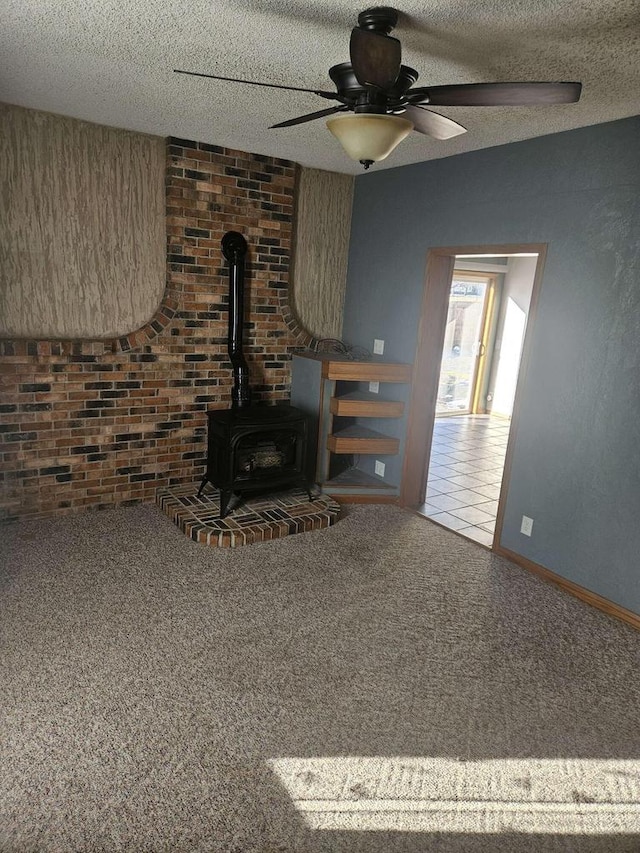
(382, 685)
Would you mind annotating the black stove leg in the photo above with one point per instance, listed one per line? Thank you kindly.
(225, 497)
(203, 483)
(306, 485)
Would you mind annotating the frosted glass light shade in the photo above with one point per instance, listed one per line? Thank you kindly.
(369, 137)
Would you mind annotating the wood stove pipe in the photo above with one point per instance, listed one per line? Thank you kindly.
(234, 248)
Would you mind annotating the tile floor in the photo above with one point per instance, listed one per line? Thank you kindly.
(465, 472)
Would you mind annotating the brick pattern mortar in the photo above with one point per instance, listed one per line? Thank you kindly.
(91, 424)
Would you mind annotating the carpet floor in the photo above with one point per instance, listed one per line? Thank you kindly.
(383, 685)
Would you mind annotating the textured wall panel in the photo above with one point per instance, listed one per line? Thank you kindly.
(323, 224)
(82, 227)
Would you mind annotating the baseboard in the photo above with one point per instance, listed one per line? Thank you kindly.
(592, 598)
(364, 499)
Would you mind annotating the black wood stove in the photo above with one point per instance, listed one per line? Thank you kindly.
(250, 448)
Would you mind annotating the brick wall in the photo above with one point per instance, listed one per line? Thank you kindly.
(90, 424)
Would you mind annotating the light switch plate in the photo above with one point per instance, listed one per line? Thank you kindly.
(374, 387)
(378, 347)
(379, 468)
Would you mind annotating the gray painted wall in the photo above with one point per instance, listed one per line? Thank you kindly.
(576, 465)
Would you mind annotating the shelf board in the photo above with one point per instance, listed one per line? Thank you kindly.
(359, 439)
(364, 404)
(367, 371)
(355, 478)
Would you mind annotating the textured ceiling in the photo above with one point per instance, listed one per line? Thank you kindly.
(111, 62)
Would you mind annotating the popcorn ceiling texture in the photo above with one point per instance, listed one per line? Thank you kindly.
(111, 62)
(94, 423)
(82, 227)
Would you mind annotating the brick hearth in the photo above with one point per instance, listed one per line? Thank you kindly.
(258, 519)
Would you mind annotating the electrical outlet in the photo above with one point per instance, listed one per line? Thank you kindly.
(378, 347)
(527, 525)
(374, 387)
(379, 468)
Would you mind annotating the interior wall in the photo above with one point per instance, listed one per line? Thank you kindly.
(575, 466)
(82, 228)
(93, 423)
(321, 249)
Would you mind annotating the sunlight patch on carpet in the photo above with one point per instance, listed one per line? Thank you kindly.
(561, 796)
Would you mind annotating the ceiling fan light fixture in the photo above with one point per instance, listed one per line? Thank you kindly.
(369, 137)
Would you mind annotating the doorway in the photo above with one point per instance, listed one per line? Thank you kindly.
(475, 326)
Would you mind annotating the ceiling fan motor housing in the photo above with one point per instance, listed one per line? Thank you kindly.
(366, 99)
(381, 19)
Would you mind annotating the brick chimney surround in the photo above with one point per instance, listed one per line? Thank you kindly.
(96, 423)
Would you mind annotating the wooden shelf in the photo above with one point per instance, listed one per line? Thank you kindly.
(364, 404)
(359, 439)
(366, 371)
(355, 478)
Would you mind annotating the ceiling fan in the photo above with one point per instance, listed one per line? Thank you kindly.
(380, 102)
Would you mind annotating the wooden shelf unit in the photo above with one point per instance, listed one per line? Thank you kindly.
(322, 386)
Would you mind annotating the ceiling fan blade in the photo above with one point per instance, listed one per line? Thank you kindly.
(496, 94)
(375, 58)
(333, 96)
(309, 117)
(433, 124)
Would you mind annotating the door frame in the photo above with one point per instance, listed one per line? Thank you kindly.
(426, 370)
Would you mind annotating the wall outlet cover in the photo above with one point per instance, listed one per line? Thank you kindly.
(378, 347)
(374, 387)
(527, 525)
(379, 468)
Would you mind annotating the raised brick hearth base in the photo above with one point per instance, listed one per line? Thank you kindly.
(257, 519)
